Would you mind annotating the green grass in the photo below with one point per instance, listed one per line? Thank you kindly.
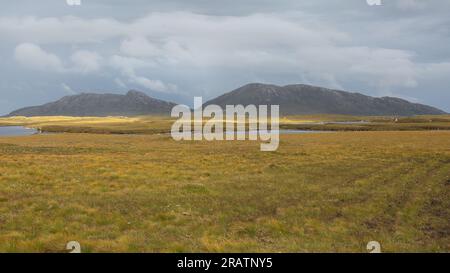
(147, 193)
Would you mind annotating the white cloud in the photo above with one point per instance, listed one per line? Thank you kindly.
(127, 66)
(266, 43)
(380, 54)
(120, 83)
(33, 56)
(140, 47)
(86, 61)
(63, 30)
(68, 89)
(156, 85)
(261, 42)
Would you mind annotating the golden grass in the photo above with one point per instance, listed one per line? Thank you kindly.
(148, 193)
(116, 125)
(162, 124)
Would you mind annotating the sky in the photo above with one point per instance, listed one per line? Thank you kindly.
(177, 49)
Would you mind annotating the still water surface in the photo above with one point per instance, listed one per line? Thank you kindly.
(16, 131)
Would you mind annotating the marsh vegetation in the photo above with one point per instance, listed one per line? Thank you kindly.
(149, 193)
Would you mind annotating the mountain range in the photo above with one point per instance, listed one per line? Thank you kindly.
(306, 99)
(87, 104)
(293, 100)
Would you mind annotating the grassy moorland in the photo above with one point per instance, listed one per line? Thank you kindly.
(318, 192)
(97, 125)
(161, 124)
(338, 123)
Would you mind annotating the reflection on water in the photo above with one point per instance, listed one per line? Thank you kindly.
(16, 131)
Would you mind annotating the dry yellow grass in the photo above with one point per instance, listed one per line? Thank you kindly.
(162, 124)
(148, 193)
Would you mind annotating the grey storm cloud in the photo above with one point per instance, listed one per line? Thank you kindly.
(177, 49)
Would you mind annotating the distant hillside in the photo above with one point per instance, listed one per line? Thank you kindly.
(306, 99)
(293, 100)
(86, 104)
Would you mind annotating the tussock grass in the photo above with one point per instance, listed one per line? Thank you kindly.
(160, 125)
(148, 193)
